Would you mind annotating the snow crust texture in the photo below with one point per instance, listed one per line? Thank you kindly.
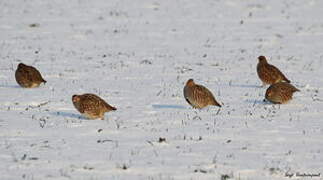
(137, 55)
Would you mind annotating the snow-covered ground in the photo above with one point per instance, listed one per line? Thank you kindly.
(137, 55)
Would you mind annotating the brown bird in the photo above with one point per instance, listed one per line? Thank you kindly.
(28, 76)
(269, 74)
(198, 96)
(280, 93)
(91, 106)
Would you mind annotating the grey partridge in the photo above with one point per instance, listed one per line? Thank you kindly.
(28, 76)
(269, 74)
(91, 106)
(280, 93)
(198, 96)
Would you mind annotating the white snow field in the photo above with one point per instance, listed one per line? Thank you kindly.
(137, 55)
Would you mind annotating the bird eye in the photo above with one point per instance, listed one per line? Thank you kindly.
(75, 98)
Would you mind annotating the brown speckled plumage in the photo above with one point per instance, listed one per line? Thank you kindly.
(280, 93)
(198, 96)
(91, 106)
(268, 73)
(28, 76)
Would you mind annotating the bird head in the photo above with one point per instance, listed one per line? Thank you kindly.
(76, 98)
(269, 94)
(190, 82)
(21, 65)
(262, 59)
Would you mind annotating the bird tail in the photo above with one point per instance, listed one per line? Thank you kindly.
(113, 108)
(296, 90)
(216, 103)
(44, 81)
(285, 79)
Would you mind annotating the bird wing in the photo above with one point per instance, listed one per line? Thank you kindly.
(90, 102)
(204, 93)
(35, 74)
(276, 73)
(25, 74)
(289, 88)
(210, 96)
(94, 102)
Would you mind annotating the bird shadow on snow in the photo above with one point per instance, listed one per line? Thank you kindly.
(68, 114)
(246, 86)
(168, 106)
(9, 86)
(257, 101)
